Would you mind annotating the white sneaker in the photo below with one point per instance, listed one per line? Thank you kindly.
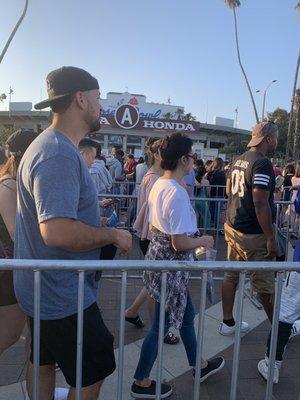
(60, 394)
(263, 369)
(226, 330)
(295, 329)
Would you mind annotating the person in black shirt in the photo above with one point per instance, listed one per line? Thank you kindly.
(217, 179)
(288, 173)
(249, 229)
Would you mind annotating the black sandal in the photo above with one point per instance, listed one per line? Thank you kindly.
(137, 321)
(170, 338)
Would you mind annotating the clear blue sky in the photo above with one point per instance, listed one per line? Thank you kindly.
(160, 48)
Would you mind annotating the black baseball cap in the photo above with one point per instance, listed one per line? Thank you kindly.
(20, 140)
(65, 81)
(87, 141)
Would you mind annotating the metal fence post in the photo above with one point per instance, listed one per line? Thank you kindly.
(200, 336)
(79, 335)
(161, 335)
(36, 335)
(121, 336)
(217, 225)
(237, 337)
(274, 335)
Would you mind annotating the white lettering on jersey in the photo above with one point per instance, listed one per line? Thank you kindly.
(238, 182)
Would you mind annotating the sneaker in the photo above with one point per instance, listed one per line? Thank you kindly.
(226, 330)
(213, 366)
(263, 368)
(139, 392)
(60, 394)
(295, 329)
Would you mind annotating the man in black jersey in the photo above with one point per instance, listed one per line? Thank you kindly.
(249, 228)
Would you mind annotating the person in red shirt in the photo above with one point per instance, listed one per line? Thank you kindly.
(129, 169)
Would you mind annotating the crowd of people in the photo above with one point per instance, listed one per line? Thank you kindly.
(49, 209)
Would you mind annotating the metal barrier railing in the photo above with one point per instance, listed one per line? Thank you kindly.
(126, 208)
(159, 266)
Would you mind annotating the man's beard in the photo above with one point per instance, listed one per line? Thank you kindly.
(93, 124)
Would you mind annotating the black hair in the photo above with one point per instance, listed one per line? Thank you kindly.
(90, 142)
(120, 153)
(131, 156)
(60, 106)
(289, 169)
(199, 162)
(173, 148)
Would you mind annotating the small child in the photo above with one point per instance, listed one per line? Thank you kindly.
(289, 324)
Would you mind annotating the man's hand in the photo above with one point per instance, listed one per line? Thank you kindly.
(272, 248)
(106, 202)
(123, 241)
(103, 221)
(206, 241)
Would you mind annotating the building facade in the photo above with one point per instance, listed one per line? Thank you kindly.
(127, 121)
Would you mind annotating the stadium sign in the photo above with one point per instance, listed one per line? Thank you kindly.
(127, 117)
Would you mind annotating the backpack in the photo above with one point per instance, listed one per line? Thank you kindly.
(297, 202)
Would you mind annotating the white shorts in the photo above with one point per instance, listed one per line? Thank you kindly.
(290, 299)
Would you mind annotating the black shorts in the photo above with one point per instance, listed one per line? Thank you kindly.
(58, 345)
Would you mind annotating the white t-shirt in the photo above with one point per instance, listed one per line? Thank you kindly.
(140, 172)
(170, 209)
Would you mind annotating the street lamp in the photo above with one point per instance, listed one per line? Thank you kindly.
(264, 98)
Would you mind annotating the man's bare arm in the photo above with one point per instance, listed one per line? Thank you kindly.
(228, 184)
(73, 235)
(264, 216)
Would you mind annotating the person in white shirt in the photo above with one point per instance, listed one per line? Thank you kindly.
(173, 237)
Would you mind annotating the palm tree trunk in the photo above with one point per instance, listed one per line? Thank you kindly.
(296, 150)
(14, 31)
(241, 65)
(288, 141)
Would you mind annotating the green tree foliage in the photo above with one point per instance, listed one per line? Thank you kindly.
(281, 118)
(236, 144)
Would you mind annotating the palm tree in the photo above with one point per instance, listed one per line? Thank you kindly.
(189, 117)
(167, 115)
(3, 97)
(296, 149)
(14, 31)
(289, 134)
(288, 139)
(233, 4)
(179, 113)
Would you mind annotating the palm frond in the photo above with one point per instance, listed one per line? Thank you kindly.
(297, 7)
(233, 3)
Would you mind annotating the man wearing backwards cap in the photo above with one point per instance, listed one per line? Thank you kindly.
(58, 218)
(249, 230)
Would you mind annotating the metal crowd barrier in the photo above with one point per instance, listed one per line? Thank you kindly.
(126, 208)
(38, 266)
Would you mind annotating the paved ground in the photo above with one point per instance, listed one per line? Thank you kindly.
(250, 386)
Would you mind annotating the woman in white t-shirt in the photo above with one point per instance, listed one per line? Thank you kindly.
(173, 237)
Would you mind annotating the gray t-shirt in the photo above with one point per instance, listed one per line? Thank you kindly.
(53, 182)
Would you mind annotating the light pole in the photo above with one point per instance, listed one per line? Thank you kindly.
(264, 98)
(14, 31)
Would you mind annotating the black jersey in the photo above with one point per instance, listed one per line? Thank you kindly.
(250, 170)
